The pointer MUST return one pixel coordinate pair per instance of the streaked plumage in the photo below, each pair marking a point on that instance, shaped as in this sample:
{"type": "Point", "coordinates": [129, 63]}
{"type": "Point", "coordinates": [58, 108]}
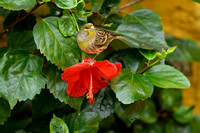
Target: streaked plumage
{"type": "Point", "coordinates": [94, 41]}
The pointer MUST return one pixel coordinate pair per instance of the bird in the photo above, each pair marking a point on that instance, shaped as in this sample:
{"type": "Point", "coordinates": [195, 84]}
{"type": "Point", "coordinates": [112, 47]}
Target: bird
{"type": "Point", "coordinates": [94, 41]}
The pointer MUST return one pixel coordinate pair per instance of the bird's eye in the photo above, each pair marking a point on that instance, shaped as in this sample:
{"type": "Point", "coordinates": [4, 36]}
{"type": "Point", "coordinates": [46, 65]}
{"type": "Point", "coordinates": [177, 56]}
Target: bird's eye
{"type": "Point", "coordinates": [86, 27]}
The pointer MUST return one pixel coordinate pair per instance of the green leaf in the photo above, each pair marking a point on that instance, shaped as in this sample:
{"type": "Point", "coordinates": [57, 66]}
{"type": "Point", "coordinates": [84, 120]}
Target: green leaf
{"type": "Point", "coordinates": [186, 49]}
{"type": "Point", "coordinates": [115, 19]}
{"type": "Point", "coordinates": [154, 128]}
{"type": "Point", "coordinates": [196, 1]}
{"type": "Point", "coordinates": [44, 103]}
{"type": "Point", "coordinates": [104, 103]}
{"type": "Point", "coordinates": [166, 76]}
{"type": "Point", "coordinates": [21, 75]}
{"type": "Point", "coordinates": [58, 88]}
{"type": "Point", "coordinates": [173, 127]}
{"type": "Point", "coordinates": [26, 24]}
{"type": "Point", "coordinates": [4, 110]}
{"type": "Point", "coordinates": [131, 59]}
{"type": "Point", "coordinates": [143, 29]}
{"type": "Point", "coordinates": [66, 4]}
{"type": "Point", "coordinates": [171, 50]}
{"type": "Point", "coordinates": [57, 125]}
{"type": "Point", "coordinates": [130, 87]}
{"type": "Point", "coordinates": [96, 5]}
{"type": "Point", "coordinates": [148, 115]}
{"type": "Point", "coordinates": [86, 122]}
{"type": "Point", "coordinates": [134, 110]}
{"type": "Point", "coordinates": [67, 24]}
{"type": "Point", "coordinates": [22, 40]}
{"type": "Point", "coordinates": [80, 14]}
{"type": "Point", "coordinates": [61, 51]}
{"type": "Point", "coordinates": [196, 124]}
{"type": "Point", "coordinates": [183, 114]}
{"type": "Point", "coordinates": [148, 54]}
{"type": "Point", "coordinates": [4, 12]}
{"type": "Point", "coordinates": [17, 4]}
{"type": "Point", "coordinates": [107, 6]}
{"type": "Point", "coordinates": [3, 50]}
{"type": "Point", "coordinates": [170, 98]}
{"type": "Point", "coordinates": [119, 111]}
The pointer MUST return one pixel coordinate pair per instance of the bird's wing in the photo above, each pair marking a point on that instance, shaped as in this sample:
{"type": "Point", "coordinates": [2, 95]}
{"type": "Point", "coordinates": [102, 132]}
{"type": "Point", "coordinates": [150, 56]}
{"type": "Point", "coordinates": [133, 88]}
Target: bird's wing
{"type": "Point", "coordinates": [102, 37]}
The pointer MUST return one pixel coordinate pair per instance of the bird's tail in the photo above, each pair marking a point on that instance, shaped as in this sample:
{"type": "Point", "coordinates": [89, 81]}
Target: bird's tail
{"type": "Point", "coordinates": [119, 37]}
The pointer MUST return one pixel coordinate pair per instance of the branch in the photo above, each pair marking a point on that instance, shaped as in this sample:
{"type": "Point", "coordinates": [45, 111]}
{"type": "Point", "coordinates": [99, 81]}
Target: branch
{"type": "Point", "coordinates": [130, 4]}
{"type": "Point", "coordinates": [148, 66]}
{"type": "Point", "coordinates": [22, 18]}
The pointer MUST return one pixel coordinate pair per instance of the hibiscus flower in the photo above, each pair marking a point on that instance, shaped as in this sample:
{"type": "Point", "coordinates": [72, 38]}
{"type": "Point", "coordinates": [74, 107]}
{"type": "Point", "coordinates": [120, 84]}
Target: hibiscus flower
{"type": "Point", "coordinates": [89, 76]}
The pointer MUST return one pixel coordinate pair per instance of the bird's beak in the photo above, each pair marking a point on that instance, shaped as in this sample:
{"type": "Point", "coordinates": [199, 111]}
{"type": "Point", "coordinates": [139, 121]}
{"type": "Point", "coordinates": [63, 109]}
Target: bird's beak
{"type": "Point", "coordinates": [92, 28]}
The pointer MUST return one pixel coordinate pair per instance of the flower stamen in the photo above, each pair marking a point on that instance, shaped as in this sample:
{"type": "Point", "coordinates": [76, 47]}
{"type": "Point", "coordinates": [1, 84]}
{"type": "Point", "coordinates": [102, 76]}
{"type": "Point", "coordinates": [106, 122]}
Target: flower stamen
{"type": "Point", "coordinates": [89, 95]}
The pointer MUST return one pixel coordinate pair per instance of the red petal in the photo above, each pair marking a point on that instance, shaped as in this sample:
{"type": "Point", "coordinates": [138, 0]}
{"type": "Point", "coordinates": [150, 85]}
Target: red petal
{"type": "Point", "coordinates": [98, 83]}
{"type": "Point", "coordinates": [79, 87]}
{"type": "Point", "coordinates": [72, 73]}
{"type": "Point", "coordinates": [105, 69]}
{"type": "Point", "coordinates": [119, 66]}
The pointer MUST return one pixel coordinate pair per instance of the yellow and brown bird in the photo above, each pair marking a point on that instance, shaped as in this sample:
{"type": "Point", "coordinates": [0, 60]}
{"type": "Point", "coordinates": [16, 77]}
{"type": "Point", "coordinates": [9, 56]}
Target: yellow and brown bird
{"type": "Point", "coordinates": [94, 41]}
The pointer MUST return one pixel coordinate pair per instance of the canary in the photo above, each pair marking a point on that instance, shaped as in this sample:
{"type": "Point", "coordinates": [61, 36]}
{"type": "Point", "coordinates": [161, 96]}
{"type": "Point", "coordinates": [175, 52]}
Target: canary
{"type": "Point", "coordinates": [94, 41]}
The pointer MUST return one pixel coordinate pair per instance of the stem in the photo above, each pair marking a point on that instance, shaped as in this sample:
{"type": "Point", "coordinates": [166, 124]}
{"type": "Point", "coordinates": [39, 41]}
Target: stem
{"type": "Point", "coordinates": [76, 22]}
{"type": "Point", "coordinates": [130, 4]}
{"type": "Point", "coordinates": [148, 66]}
{"type": "Point", "coordinates": [22, 18]}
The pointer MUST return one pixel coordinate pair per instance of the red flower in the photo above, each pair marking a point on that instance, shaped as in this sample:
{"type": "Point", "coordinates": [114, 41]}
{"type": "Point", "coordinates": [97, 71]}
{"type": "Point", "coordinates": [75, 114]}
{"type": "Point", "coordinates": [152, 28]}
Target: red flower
{"type": "Point", "coordinates": [87, 76]}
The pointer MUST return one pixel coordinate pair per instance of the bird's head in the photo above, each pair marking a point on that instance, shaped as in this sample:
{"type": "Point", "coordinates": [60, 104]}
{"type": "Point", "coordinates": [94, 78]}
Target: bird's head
{"type": "Point", "coordinates": [88, 29]}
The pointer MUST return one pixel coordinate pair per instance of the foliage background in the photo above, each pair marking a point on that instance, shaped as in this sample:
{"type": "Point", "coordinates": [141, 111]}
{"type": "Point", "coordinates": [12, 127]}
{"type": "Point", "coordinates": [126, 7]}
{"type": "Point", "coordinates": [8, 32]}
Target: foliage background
{"type": "Point", "coordinates": [160, 8]}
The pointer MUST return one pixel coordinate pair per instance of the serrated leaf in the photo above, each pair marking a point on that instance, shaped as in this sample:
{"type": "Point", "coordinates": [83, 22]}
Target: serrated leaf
{"type": "Point", "coordinates": [17, 4]}
{"type": "Point", "coordinates": [61, 51]}
{"type": "Point", "coordinates": [148, 54]}
{"type": "Point", "coordinates": [22, 40]}
{"type": "Point", "coordinates": [130, 58]}
{"type": "Point", "coordinates": [44, 103]}
{"type": "Point", "coordinates": [187, 49]}
{"type": "Point", "coordinates": [104, 103]}
{"type": "Point", "coordinates": [22, 76]}
{"type": "Point", "coordinates": [86, 122]}
{"type": "Point", "coordinates": [183, 114]}
{"type": "Point", "coordinates": [58, 88]}
{"type": "Point", "coordinates": [66, 4]}
{"type": "Point", "coordinates": [148, 115]}
{"type": "Point", "coordinates": [134, 110]}
{"type": "Point", "coordinates": [96, 5]}
{"type": "Point", "coordinates": [130, 87]}
{"type": "Point", "coordinates": [57, 125]}
{"type": "Point", "coordinates": [4, 110]}
{"type": "Point", "coordinates": [143, 29]}
{"type": "Point", "coordinates": [166, 76]}
{"type": "Point", "coordinates": [67, 24]}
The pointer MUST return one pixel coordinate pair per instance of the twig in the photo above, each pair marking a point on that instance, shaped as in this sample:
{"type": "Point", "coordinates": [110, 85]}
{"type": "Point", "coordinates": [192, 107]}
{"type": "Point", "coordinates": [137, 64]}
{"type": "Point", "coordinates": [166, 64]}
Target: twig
{"type": "Point", "coordinates": [148, 66]}
{"type": "Point", "coordinates": [22, 18]}
{"type": "Point", "coordinates": [130, 4]}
